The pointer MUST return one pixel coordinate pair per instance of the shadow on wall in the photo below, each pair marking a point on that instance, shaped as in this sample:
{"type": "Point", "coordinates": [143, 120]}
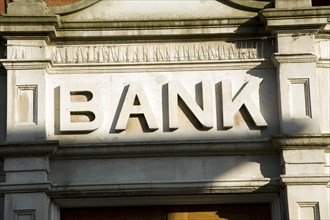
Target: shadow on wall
{"type": "Point", "coordinates": [3, 104]}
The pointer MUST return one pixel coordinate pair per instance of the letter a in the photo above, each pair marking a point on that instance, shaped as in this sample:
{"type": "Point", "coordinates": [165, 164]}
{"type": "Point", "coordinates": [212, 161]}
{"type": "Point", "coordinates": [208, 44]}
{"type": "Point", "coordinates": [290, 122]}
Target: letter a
{"type": "Point", "coordinates": [129, 108]}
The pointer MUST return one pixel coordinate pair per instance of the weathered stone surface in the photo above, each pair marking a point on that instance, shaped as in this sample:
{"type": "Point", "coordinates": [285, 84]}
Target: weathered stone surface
{"type": "Point", "coordinates": [123, 102]}
{"type": "Point", "coordinates": [27, 7]}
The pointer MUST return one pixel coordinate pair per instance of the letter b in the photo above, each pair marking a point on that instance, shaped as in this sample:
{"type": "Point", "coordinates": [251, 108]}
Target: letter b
{"type": "Point", "coordinates": [89, 108]}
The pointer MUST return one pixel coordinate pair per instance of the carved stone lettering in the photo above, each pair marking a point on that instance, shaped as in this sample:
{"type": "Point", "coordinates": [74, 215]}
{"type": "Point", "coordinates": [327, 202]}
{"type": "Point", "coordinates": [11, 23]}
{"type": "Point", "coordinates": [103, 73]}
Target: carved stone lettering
{"type": "Point", "coordinates": [69, 109]}
{"type": "Point", "coordinates": [243, 97]}
{"type": "Point", "coordinates": [204, 115]}
{"type": "Point", "coordinates": [136, 103]}
{"type": "Point", "coordinates": [81, 108]}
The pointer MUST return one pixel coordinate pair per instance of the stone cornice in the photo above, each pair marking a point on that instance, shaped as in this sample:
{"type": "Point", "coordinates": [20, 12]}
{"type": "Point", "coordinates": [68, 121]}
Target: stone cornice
{"type": "Point", "coordinates": [302, 142]}
{"type": "Point", "coordinates": [69, 202]}
{"type": "Point", "coordinates": [22, 25]}
{"type": "Point", "coordinates": [21, 188]}
{"type": "Point", "coordinates": [305, 180]}
{"type": "Point", "coordinates": [198, 187]}
{"type": "Point", "coordinates": [24, 64]}
{"type": "Point", "coordinates": [163, 67]}
{"type": "Point", "coordinates": [162, 149]}
{"type": "Point", "coordinates": [47, 149]}
{"type": "Point", "coordinates": [294, 58]}
{"type": "Point", "coordinates": [41, 19]}
{"type": "Point", "coordinates": [158, 28]}
{"type": "Point", "coordinates": [311, 19]}
{"type": "Point", "coordinates": [51, 25]}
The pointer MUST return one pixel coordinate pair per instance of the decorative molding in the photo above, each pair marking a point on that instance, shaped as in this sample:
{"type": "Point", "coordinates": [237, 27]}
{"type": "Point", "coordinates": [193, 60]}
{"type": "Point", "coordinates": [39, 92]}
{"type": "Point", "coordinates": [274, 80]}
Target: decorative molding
{"type": "Point", "coordinates": [18, 52]}
{"type": "Point", "coordinates": [97, 68]}
{"type": "Point", "coordinates": [162, 52]}
{"type": "Point", "coordinates": [294, 58]}
{"type": "Point", "coordinates": [170, 199]}
{"type": "Point", "coordinates": [308, 19]}
{"type": "Point", "coordinates": [172, 187]}
{"type": "Point", "coordinates": [305, 180]}
{"type": "Point", "coordinates": [302, 142]}
{"type": "Point", "coordinates": [323, 63]}
{"type": "Point", "coordinates": [25, 188]}
{"type": "Point", "coordinates": [26, 149]}
{"type": "Point", "coordinates": [161, 149]}
{"type": "Point", "coordinates": [25, 64]}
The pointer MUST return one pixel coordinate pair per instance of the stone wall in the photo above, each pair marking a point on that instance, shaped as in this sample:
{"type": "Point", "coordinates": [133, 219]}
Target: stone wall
{"type": "Point", "coordinates": [117, 104]}
{"type": "Point", "coordinates": [66, 2]}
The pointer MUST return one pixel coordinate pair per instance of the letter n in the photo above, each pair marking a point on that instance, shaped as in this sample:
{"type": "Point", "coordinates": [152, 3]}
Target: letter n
{"type": "Point", "coordinates": [203, 114]}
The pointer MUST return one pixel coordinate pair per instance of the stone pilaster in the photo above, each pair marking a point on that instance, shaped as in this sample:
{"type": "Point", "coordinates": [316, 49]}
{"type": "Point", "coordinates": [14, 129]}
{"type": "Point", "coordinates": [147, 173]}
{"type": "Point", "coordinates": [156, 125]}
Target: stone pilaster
{"type": "Point", "coordinates": [298, 89]}
{"type": "Point", "coordinates": [26, 64]}
{"type": "Point", "coordinates": [26, 185]}
{"type": "Point", "coordinates": [302, 145]}
{"type": "Point", "coordinates": [305, 175]}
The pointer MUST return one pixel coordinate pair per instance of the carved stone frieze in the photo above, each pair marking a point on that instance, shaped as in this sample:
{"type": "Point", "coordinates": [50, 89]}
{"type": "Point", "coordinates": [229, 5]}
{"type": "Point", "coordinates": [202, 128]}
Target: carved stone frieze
{"type": "Point", "coordinates": [162, 52]}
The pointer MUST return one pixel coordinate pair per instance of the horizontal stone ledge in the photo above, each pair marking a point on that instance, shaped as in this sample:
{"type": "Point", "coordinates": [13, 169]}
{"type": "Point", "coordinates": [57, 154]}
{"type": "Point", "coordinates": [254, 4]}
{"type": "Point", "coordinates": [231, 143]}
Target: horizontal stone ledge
{"type": "Point", "coordinates": [202, 198]}
{"type": "Point", "coordinates": [302, 142]}
{"type": "Point", "coordinates": [176, 187]}
{"type": "Point", "coordinates": [323, 63]}
{"type": "Point", "coordinates": [305, 180]}
{"type": "Point", "coordinates": [163, 24]}
{"type": "Point", "coordinates": [306, 12]}
{"type": "Point", "coordinates": [28, 20]}
{"type": "Point", "coordinates": [228, 62]}
{"type": "Point", "coordinates": [57, 150]}
{"type": "Point", "coordinates": [32, 149]}
{"type": "Point", "coordinates": [96, 68]}
{"type": "Point", "coordinates": [25, 64]}
{"type": "Point", "coordinates": [22, 188]}
{"type": "Point", "coordinates": [294, 58]}
{"type": "Point", "coordinates": [164, 149]}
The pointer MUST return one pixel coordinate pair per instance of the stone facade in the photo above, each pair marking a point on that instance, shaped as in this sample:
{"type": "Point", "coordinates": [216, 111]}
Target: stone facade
{"type": "Point", "coordinates": [130, 103]}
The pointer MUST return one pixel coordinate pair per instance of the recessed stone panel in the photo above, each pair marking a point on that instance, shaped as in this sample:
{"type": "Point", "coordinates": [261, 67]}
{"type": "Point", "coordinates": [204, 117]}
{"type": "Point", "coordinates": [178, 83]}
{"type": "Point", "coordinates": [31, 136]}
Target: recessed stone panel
{"type": "Point", "coordinates": [27, 104]}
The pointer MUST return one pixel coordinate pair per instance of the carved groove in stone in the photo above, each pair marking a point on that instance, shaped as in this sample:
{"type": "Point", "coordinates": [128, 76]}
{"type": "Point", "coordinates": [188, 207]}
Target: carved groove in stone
{"type": "Point", "coordinates": [18, 53]}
